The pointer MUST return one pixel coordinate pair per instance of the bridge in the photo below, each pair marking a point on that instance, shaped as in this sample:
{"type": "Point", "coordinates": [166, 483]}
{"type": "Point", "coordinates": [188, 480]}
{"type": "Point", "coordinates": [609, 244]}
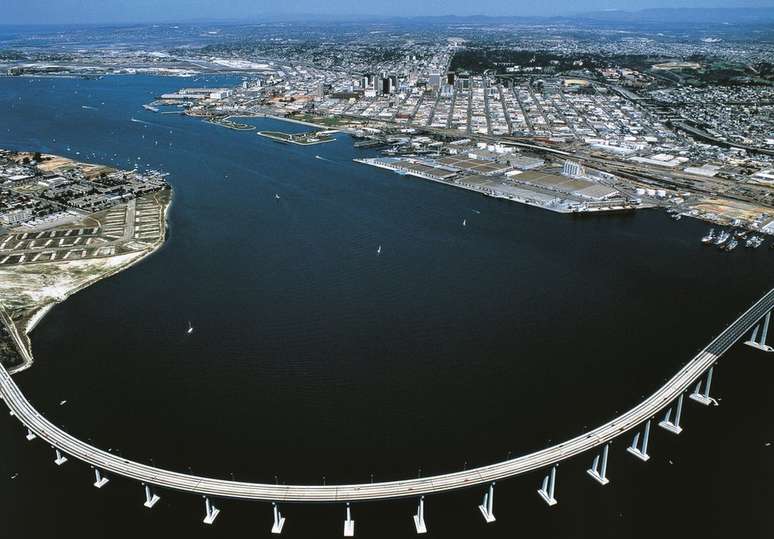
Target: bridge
{"type": "Point", "coordinates": [694, 379]}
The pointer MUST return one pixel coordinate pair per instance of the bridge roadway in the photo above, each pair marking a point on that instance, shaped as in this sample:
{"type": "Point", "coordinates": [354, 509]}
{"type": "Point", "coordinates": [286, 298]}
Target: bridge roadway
{"type": "Point", "coordinates": [544, 458]}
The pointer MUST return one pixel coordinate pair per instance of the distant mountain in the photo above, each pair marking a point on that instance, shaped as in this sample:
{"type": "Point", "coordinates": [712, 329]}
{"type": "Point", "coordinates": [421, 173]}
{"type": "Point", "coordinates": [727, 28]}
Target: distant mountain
{"type": "Point", "coordinates": [762, 15]}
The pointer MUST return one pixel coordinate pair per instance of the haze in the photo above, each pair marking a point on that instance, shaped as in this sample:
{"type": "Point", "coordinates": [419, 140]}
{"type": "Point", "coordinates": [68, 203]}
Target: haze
{"type": "Point", "coordinates": [107, 11]}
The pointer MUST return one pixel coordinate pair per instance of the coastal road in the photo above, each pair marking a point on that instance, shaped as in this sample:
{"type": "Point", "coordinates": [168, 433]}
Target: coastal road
{"type": "Point", "coordinates": [645, 410]}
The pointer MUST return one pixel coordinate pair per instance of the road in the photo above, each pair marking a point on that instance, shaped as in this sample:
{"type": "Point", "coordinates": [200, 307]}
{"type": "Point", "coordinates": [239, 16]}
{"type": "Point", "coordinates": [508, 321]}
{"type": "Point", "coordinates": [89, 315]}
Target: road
{"type": "Point", "coordinates": [658, 401]}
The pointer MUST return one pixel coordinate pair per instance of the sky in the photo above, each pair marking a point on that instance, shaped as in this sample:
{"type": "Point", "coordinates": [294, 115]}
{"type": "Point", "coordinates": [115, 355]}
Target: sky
{"type": "Point", "coordinates": [109, 11]}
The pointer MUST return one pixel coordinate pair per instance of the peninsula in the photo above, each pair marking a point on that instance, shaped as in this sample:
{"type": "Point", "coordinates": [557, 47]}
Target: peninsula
{"type": "Point", "coordinates": [65, 225]}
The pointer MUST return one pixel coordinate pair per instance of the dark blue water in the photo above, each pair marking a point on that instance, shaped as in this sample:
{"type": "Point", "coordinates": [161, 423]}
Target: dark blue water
{"type": "Point", "coordinates": [313, 358]}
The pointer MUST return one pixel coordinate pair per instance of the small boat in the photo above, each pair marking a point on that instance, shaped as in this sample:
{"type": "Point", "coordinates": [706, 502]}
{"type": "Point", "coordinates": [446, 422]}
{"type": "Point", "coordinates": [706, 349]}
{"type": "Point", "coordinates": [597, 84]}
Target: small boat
{"type": "Point", "coordinates": [190, 328]}
{"type": "Point", "coordinates": [464, 222]}
{"type": "Point", "coordinates": [722, 237]}
{"type": "Point", "coordinates": [379, 250]}
{"type": "Point", "coordinates": [753, 242]}
{"type": "Point", "coordinates": [62, 403]}
{"type": "Point", "coordinates": [709, 237]}
{"type": "Point", "coordinates": [731, 245]}
{"type": "Point", "coordinates": [276, 196]}
{"type": "Point", "coordinates": [14, 476]}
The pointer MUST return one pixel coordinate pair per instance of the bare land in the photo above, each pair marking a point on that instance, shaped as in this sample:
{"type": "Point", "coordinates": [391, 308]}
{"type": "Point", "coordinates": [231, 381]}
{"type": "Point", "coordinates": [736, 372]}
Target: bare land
{"type": "Point", "coordinates": [39, 269]}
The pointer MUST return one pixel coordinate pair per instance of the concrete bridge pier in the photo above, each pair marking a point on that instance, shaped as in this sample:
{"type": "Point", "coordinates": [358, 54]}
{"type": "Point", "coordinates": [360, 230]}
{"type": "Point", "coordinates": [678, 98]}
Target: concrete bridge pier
{"type": "Point", "coordinates": [349, 524]}
{"type": "Point", "coordinates": [279, 520]}
{"type": "Point", "coordinates": [210, 511]}
{"type": "Point", "coordinates": [597, 471]}
{"type": "Point", "coordinates": [486, 505]}
{"type": "Point", "coordinates": [100, 480]}
{"type": "Point", "coordinates": [641, 451]}
{"type": "Point", "coordinates": [667, 423]}
{"type": "Point", "coordinates": [419, 518]}
{"type": "Point", "coordinates": [60, 458]}
{"type": "Point", "coordinates": [150, 497]}
{"type": "Point", "coordinates": [761, 344]}
{"type": "Point", "coordinates": [30, 435]}
{"type": "Point", "coordinates": [703, 397]}
{"type": "Point", "coordinates": [548, 489]}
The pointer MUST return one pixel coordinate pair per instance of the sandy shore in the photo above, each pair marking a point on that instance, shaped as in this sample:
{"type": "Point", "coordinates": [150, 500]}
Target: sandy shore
{"type": "Point", "coordinates": [57, 294]}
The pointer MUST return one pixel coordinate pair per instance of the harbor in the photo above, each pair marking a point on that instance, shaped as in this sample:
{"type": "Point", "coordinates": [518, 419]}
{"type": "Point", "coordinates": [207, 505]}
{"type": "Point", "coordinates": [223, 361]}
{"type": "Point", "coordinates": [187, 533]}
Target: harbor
{"type": "Point", "coordinates": [728, 240]}
{"type": "Point", "coordinates": [546, 191]}
{"type": "Point", "coordinates": [444, 317]}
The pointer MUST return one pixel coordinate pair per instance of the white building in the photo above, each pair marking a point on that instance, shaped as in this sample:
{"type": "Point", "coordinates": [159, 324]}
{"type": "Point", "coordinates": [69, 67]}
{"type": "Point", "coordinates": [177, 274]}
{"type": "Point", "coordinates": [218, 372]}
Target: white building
{"type": "Point", "coordinates": [15, 217]}
{"type": "Point", "coordinates": [573, 169]}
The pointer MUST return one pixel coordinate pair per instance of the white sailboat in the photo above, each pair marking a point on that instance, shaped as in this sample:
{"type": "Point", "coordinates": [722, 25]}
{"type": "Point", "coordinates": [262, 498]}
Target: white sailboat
{"type": "Point", "coordinates": [379, 250]}
{"type": "Point", "coordinates": [190, 328]}
{"type": "Point", "coordinates": [464, 222]}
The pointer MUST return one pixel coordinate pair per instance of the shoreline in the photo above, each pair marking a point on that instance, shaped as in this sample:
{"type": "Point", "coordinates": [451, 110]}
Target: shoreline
{"type": "Point", "coordinates": [22, 329]}
{"type": "Point", "coordinates": [274, 135]}
{"type": "Point", "coordinates": [518, 200]}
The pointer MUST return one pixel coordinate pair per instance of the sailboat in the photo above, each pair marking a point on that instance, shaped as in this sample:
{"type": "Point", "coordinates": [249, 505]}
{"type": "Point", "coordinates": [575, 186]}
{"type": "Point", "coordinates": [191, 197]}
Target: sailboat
{"type": "Point", "coordinates": [190, 328]}
{"type": "Point", "coordinates": [464, 222]}
{"type": "Point", "coordinates": [379, 250]}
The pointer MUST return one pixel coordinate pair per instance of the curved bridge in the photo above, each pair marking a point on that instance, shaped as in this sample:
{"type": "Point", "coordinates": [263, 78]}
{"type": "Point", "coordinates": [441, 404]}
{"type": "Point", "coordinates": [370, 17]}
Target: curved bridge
{"type": "Point", "coordinates": [669, 396]}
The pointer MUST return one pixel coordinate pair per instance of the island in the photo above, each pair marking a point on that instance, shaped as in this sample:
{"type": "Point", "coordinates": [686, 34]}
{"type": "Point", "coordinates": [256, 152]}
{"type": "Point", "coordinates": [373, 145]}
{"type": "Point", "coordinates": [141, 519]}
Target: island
{"type": "Point", "coordinates": [65, 225]}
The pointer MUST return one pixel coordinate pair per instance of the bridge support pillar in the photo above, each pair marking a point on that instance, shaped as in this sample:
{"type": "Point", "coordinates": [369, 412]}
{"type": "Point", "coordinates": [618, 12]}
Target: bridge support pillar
{"type": "Point", "coordinates": [419, 518]}
{"type": "Point", "coordinates": [667, 423]}
{"type": "Point", "coordinates": [761, 344]}
{"type": "Point", "coordinates": [30, 435]}
{"type": "Point", "coordinates": [210, 511]}
{"type": "Point", "coordinates": [100, 480]}
{"type": "Point", "coordinates": [641, 451]}
{"type": "Point", "coordinates": [151, 498]}
{"type": "Point", "coordinates": [349, 524]}
{"type": "Point", "coordinates": [486, 506]}
{"type": "Point", "coordinates": [597, 471]}
{"type": "Point", "coordinates": [703, 397]}
{"type": "Point", "coordinates": [548, 489]}
{"type": "Point", "coordinates": [60, 458]}
{"type": "Point", "coordinates": [279, 520]}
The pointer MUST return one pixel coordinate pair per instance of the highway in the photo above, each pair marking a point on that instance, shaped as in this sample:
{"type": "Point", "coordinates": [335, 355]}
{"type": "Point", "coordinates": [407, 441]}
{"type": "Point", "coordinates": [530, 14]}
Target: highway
{"type": "Point", "coordinates": [543, 459]}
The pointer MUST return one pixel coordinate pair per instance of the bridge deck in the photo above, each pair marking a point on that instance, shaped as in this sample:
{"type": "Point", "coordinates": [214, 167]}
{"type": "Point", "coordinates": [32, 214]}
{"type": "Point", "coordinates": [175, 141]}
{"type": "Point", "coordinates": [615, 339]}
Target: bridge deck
{"type": "Point", "coordinates": [544, 458]}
